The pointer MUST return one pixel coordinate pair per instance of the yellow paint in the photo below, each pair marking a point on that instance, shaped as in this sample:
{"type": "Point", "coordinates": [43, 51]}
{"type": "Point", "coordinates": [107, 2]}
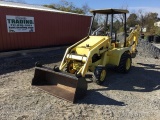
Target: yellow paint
{"type": "Point", "coordinates": [81, 53]}
{"type": "Point", "coordinates": [89, 44]}
{"type": "Point", "coordinates": [128, 64]}
{"type": "Point", "coordinates": [103, 75]}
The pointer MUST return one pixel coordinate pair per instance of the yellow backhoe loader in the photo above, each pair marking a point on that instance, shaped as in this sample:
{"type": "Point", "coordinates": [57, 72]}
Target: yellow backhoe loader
{"type": "Point", "coordinates": [89, 58]}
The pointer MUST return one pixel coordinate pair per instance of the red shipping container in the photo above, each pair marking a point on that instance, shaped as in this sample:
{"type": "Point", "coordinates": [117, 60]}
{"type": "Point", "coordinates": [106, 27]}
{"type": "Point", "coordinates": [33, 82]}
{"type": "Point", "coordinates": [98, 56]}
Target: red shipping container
{"type": "Point", "coordinates": [51, 28]}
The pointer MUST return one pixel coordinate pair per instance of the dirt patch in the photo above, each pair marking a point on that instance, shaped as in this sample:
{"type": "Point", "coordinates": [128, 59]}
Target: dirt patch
{"type": "Point", "coordinates": [135, 95]}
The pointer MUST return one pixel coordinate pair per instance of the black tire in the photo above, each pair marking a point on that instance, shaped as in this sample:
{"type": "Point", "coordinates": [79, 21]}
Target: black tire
{"type": "Point", "coordinates": [77, 75]}
{"type": "Point", "coordinates": [156, 39]}
{"type": "Point", "coordinates": [150, 38]}
{"type": "Point", "coordinates": [56, 68]}
{"type": "Point", "coordinates": [38, 64]}
{"type": "Point", "coordinates": [142, 36]}
{"type": "Point", "coordinates": [97, 74]}
{"type": "Point", "coordinates": [122, 67]}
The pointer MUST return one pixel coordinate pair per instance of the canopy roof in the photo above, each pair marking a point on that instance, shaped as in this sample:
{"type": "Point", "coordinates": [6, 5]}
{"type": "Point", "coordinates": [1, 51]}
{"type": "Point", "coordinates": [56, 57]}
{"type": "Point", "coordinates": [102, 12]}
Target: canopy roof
{"type": "Point", "coordinates": [110, 11]}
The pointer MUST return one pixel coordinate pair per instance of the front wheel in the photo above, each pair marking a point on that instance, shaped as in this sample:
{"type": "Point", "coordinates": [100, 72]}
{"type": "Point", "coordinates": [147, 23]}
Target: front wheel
{"type": "Point", "coordinates": [56, 68]}
{"type": "Point", "coordinates": [38, 64]}
{"type": "Point", "coordinates": [100, 74]}
{"type": "Point", "coordinates": [70, 68]}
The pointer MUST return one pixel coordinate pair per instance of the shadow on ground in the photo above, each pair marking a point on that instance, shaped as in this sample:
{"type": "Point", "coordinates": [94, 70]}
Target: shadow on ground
{"type": "Point", "coordinates": [26, 61]}
{"type": "Point", "coordinates": [150, 66]}
{"type": "Point", "coordinates": [94, 97]}
{"type": "Point", "coordinates": [139, 79]}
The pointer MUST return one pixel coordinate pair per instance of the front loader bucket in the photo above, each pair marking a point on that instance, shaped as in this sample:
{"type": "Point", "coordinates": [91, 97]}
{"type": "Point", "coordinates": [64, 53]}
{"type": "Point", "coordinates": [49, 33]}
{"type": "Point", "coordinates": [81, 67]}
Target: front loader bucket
{"type": "Point", "coordinates": [60, 84]}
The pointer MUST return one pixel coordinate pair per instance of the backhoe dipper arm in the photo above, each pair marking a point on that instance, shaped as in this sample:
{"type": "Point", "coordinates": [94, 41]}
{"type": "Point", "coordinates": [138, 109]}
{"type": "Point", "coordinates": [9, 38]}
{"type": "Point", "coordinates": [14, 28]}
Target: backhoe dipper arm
{"type": "Point", "coordinates": [132, 39]}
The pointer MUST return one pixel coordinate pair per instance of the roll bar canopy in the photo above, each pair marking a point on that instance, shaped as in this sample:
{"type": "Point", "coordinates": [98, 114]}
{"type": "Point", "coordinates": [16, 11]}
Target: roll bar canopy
{"type": "Point", "coordinates": [109, 11]}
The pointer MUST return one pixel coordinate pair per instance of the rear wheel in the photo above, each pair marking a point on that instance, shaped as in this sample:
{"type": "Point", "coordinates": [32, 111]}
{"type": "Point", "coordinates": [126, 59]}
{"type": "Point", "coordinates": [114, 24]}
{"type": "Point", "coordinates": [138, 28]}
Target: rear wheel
{"type": "Point", "coordinates": [100, 74]}
{"type": "Point", "coordinates": [125, 63]}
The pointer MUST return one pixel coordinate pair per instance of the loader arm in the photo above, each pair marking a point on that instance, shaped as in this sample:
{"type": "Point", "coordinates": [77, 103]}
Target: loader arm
{"type": "Point", "coordinates": [82, 53]}
{"type": "Point", "coordinates": [95, 50]}
{"type": "Point", "coordinates": [63, 63]}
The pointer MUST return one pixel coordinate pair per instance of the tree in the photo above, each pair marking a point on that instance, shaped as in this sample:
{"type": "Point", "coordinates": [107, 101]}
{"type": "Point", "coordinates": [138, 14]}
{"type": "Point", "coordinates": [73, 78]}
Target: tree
{"type": "Point", "coordinates": [157, 32]}
{"type": "Point", "coordinates": [86, 8]}
{"type": "Point", "coordinates": [68, 7]}
{"type": "Point", "coordinates": [121, 16]}
{"type": "Point", "coordinates": [147, 20]}
{"type": "Point", "coordinates": [141, 19]}
{"type": "Point", "coordinates": [150, 19]}
{"type": "Point", "coordinates": [95, 25]}
{"type": "Point", "coordinates": [132, 20]}
{"type": "Point", "coordinates": [116, 25]}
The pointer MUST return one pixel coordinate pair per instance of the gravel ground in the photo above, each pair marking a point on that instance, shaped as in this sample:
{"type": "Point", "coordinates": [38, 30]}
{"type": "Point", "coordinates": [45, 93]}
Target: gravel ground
{"type": "Point", "coordinates": [135, 95]}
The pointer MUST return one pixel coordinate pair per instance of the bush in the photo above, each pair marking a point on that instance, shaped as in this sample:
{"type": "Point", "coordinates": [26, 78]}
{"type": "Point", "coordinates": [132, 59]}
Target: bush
{"type": "Point", "coordinates": [157, 31]}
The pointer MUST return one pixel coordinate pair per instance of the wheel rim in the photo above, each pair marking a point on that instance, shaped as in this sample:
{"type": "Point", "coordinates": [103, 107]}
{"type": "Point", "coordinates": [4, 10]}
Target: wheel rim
{"type": "Point", "coordinates": [70, 68]}
{"type": "Point", "coordinates": [128, 64]}
{"type": "Point", "coordinates": [103, 75]}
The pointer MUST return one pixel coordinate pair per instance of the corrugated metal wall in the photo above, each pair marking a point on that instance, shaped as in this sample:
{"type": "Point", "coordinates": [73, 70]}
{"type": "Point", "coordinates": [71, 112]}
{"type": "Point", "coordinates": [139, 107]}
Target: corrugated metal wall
{"type": "Point", "coordinates": [51, 29]}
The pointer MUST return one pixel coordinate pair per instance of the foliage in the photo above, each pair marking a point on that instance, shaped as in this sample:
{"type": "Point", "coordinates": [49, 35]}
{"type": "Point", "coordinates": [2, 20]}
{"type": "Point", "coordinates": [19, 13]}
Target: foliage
{"type": "Point", "coordinates": [157, 30]}
{"type": "Point", "coordinates": [86, 8]}
{"type": "Point", "coordinates": [121, 29]}
{"type": "Point", "coordinates": [69, 7]}
{"type": "Point", "coordinates": [132, 20]}
{"type": "Point", "coordinates": [150, 19]}
{"type": "Point", "coordinates": [144, 19]}
{"type": "Point", "coordinates": [95, 25]}
{"type": "Point", "coordinates": [117, 26]}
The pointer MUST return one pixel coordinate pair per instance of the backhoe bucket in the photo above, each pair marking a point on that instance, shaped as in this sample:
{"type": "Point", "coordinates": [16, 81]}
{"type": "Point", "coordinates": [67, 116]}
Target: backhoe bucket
{"type": "Point", "coordinates": [60, 84]}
